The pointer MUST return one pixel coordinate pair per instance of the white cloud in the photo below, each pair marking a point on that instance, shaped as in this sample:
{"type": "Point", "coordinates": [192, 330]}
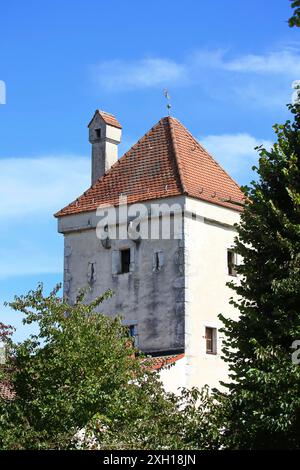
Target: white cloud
{"type": "Point", "coordinates": [31, 190]}
{"type": "Point", "coordinates": [41, 185]}
{"type": "Point", "coordinates": [258, 79]}
{"type": "Point", "coordinates": [118, 75]}
{"type": "Point", "coordinates": [235, 153]}
{"type": "Point", "coordinates": [282, 62]}
{"type": "Point", "coordinates": [286, 62]}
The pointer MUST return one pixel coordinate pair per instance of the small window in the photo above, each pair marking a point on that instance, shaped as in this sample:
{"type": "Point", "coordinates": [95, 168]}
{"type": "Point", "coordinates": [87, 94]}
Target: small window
{"type": "Point", "coordinates": [231, 263]}
{"type": "Point", "coordinates": [125, 261]}
{"type": "Point", "coordinates": [98, 133]}
{"type": "Point", "coordinates": [122, 261]}
{"type": "Point", "coordinates": [133, 333]}
{"type": "Point", "coordinates": [132, 330]}
{"type": "Point", "coordinates": [211, 340]}
{"type": "Point", "coordinates": [156, 261]}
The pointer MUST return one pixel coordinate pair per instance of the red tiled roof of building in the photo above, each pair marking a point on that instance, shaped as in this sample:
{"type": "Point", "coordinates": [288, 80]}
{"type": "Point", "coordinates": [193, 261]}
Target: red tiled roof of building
{"type": "Point", "coordinates": [156, 363]}
{"type": "Point", "coordinates": [166, 161]}
{"type": "Point", "coordinates": [107, 118]}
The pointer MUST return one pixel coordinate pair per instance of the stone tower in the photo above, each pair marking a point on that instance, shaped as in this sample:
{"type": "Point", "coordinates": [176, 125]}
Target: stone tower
{"type": "Point", "coordinates": [169, 290]}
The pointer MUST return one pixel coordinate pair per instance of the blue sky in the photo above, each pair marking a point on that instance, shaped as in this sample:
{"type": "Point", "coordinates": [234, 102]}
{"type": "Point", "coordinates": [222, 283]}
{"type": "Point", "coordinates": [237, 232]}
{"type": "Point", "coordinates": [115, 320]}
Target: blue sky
{"type": "Point", "coordinates": [228, 67]}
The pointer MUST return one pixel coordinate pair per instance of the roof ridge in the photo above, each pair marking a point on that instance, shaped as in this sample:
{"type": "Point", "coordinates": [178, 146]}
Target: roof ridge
{"type": "Point", "coordinates": [114, 165]}
{"type": "Point", "coordinates": [112, 120]}
{"type": "Point", "coordinates": [104, 112]}
{"type": "Point", "coordinates": [208, 153]}
{"type": "Point", "coordinates": [161, 164]}
{"type": "Point", "coordinates": [176, 153]}
{"type": "Point", "coordinates": [117, 163]}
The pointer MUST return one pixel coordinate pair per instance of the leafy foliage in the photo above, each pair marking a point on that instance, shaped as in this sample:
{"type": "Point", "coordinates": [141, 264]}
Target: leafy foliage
{"type": "Point", "coordinates": [164, 421]}
{"type": "Point", "coordinates": [295, 18]}
{"type": "Point", "coordinates": [261, 407]}
{"type": "Point", "coordinates": [65, 372]}
{"type": "Point", "coordinates": [79, 383]}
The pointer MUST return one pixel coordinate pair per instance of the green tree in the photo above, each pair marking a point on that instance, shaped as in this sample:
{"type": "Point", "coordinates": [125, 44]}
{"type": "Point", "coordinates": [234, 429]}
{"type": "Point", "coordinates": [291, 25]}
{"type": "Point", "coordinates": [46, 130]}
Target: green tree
{"type": "Point", "coordinates": [63, 374]}
{"type": "Point", "coordinates": [149, 418]}
{"type": "Point", "coordinates": [261, 406]}
{"type": "Point", "coordinates": [295, 18]}
{"type": "Point", "coordinates": [81, 376]}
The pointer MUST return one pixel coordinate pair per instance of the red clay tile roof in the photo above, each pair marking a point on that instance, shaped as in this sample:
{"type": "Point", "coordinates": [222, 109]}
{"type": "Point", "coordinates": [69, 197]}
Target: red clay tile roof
{"type": "Point", "coordinates": [156, 363]}
{"type": "Point", "coordinates": [107, 118]}
{"type": "Point", "coordinates": [166, 161]}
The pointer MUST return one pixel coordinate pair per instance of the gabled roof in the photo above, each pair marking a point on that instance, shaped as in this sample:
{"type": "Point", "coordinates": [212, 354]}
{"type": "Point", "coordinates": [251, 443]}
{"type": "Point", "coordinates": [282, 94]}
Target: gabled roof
{"type": "Point", "coordinates": [107, 118]}
{"type": "Point", "coordinates": [166, 161]}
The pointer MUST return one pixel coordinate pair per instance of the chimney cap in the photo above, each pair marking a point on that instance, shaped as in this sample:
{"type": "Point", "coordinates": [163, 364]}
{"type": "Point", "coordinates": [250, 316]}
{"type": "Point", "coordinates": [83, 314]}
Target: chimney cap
{"type": "Point", "coordinates": [108, 118]}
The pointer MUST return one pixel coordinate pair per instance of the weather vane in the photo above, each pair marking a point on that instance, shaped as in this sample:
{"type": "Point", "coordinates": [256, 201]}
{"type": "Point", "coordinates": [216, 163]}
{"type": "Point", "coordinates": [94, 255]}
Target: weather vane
{"type": "Point", "coordinates": [167, 96]}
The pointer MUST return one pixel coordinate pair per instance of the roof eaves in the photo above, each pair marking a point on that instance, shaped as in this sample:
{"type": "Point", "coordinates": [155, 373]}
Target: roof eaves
{"type": "Point", "coordinates": [101, 113]}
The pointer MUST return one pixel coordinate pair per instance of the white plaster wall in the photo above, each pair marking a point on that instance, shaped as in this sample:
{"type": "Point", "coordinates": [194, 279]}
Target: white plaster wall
{"type": "Point", "coordinates": [171, 308]}
{"type": "Point", "coordinates": [154, 301]}
{"type": "Point", "coordinates": [206, 243]}
{"type": "Point", "coordinates": [173, 377]}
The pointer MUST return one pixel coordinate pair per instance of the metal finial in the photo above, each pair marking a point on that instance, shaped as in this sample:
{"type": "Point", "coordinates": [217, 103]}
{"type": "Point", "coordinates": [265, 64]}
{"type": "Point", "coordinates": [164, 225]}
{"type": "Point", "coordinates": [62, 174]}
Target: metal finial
{"type": "Point", "coordinates": [167, 96]}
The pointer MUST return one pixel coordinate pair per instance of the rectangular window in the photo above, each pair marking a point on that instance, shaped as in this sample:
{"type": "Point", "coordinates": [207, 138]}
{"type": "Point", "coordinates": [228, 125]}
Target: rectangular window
{"type": "Point", "coordinates": [231, 263]}
{"type": "Point", "coordinates": [125, 261]}
{"type": "Point", "coordinates": [98, 133]}
{"type": "Point", "coordinates": [132, 330]}
{"type": "Point", "coordinates": [156, 262]}
{"type": "Point", "coordinates": [133, 333]}
{"type": "Point", "coordinates": [122, 261]}
{"type": "Point", "coordinates": [211, 340]}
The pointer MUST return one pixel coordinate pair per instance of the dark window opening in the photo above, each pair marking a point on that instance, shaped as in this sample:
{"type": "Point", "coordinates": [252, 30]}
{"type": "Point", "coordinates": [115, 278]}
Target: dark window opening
{"type": "Point", "coordinates": [125, 261]}
{"type": "Point", "coordinates": [132, 331]}
{"type": "Point", "coordinates": [211, 340]}
{"type": "Point", "coordinates": [133, 334]}
{"type": "Point", "coordinates": [98, 133]}
{"type": "Point", "coordinates": [231, 263]}
{"type": "Point", "coordinates": [156, 261]}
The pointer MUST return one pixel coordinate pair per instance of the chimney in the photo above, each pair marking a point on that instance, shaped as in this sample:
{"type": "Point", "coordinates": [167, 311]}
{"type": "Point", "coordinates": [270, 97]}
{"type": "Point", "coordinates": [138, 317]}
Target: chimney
{"type": "Point", "coordinates": [105, 136]}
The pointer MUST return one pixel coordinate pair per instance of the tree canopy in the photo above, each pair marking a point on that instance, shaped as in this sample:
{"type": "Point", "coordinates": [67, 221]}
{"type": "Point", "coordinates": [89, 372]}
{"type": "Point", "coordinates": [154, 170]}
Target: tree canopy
{"type": "Point", "coordinates": [261, 405]}
{"type": "Point", "coordinates": [295, 18]}
{"type": "Point", "coordinates": [79, 382]}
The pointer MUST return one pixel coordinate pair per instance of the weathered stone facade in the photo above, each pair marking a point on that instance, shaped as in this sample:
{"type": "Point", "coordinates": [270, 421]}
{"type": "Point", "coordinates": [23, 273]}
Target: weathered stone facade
{"type": "Point", "coordinates": [173, 288]}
